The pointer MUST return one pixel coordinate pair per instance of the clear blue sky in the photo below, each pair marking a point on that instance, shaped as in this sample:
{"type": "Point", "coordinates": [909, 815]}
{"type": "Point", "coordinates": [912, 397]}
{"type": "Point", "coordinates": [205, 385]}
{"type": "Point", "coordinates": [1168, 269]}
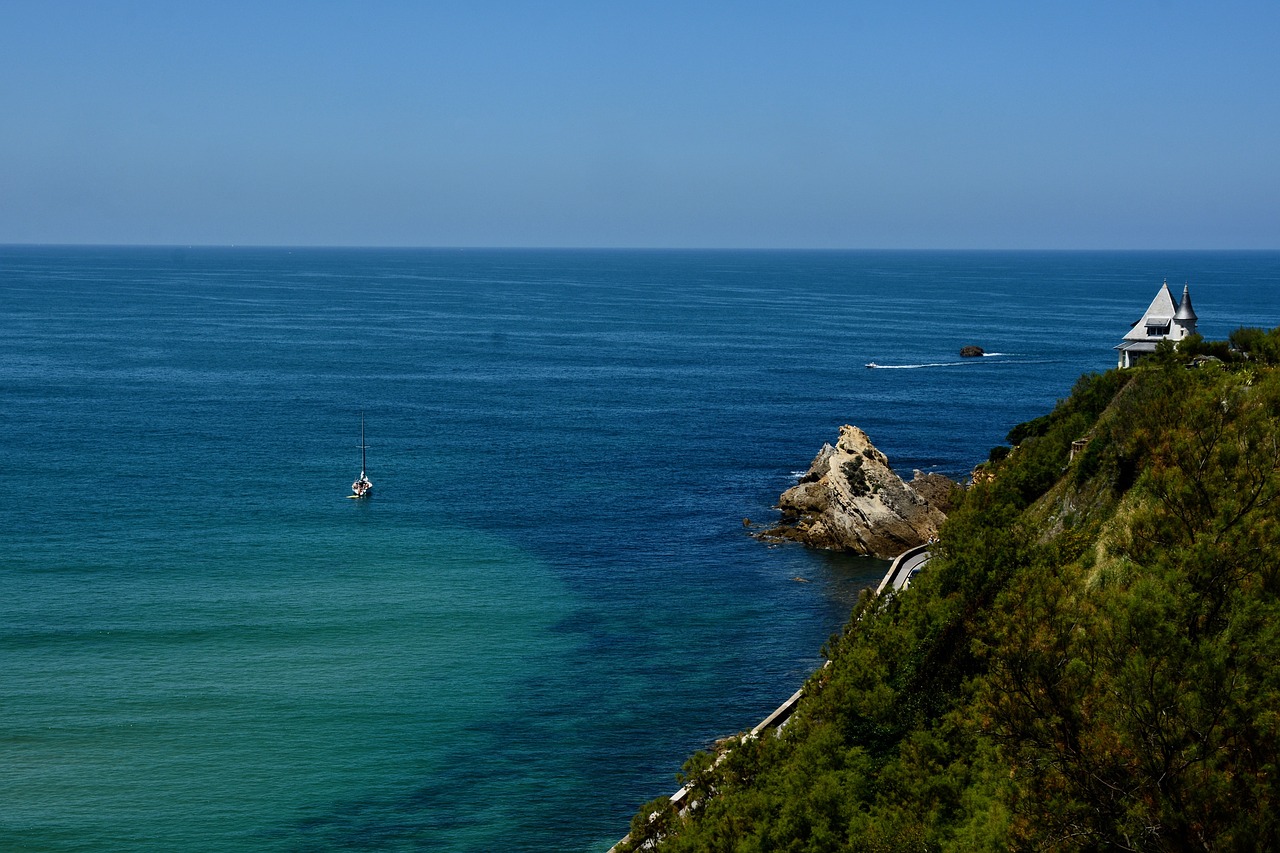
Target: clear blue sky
{"type": "Point", "coordinates": [1122, 124]}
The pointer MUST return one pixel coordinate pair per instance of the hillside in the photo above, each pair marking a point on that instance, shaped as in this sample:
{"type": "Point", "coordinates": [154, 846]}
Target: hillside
{"type": "Point", "coordinates": [1092, 660]}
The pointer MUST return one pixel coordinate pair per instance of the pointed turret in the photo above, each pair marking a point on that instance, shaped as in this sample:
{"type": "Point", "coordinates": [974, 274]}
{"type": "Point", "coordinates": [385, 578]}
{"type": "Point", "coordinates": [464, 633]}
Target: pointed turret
{"type": "Point", "coordinates": [1185, 311]}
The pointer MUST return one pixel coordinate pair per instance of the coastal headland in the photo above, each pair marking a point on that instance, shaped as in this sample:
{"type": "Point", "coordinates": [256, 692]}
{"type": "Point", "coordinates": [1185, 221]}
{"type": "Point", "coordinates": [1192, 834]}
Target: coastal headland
{"type": "Point", "coordinates": [1088, 662]}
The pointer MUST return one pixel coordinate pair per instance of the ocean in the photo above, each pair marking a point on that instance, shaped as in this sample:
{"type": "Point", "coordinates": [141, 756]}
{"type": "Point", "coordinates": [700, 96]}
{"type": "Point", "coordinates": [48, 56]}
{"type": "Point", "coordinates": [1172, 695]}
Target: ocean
{"type": "Point", "coordinates": [551, 599]}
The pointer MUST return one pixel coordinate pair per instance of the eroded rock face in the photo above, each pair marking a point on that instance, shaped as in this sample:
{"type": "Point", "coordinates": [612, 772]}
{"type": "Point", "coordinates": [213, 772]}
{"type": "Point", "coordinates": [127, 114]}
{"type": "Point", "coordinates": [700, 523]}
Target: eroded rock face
{"type": "Point", "coordinates": [850, 500]}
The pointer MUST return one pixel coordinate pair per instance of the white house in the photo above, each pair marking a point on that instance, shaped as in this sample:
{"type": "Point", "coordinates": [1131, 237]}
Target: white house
{"type": "Point", "coordinates": [1163, 321]}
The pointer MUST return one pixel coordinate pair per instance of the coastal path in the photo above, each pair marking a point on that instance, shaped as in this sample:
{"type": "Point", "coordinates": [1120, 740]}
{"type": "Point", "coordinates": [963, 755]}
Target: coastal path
{"type": "Point", "coordinates": [904, 567]}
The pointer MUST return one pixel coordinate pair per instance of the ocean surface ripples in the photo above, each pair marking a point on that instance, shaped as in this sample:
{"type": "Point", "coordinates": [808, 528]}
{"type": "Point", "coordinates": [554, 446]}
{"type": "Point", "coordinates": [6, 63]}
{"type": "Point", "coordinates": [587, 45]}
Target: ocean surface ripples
{"type": "Point", "coordinates": [551, 599]}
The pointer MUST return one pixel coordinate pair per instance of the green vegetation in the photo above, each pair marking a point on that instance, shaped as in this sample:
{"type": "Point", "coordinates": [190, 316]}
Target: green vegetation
{"type": "Point", "coordinates": [1091, 660]}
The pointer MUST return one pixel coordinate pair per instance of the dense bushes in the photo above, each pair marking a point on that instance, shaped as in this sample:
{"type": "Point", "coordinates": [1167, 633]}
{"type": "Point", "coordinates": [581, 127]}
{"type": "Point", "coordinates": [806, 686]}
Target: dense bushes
{"type": "Point", "coordinates": [1257, 344]}
{"type": "Point", "coordinates": [1134, 687]}
{"type": "Point", "coordinates": [1090, 661]}
{"type": "Point", "coordinates": [1043, 445]}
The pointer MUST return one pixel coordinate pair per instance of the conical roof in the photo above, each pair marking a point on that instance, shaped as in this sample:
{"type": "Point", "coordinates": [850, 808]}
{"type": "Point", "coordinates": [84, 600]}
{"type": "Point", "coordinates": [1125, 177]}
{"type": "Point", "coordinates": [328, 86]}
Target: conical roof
{"type": "Point", "coordinates": [1159, 313]}
{"type": "Point", "coordinates": [1185, 311]}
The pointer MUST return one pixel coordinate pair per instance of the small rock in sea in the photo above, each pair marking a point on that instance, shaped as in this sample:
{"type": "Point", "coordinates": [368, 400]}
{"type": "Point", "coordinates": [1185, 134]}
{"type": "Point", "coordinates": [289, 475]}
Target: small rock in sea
{"type": "Point", "coordinates": [799, 579]}
{"type": "Point", "coordinates": [970, 351]}
{"type": "Point", "coordinates": [746, 522]}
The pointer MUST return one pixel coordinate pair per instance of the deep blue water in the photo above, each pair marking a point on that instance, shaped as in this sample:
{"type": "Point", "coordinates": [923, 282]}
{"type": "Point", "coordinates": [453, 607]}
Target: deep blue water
{"type": "Point", "coordinates": [550, 601]}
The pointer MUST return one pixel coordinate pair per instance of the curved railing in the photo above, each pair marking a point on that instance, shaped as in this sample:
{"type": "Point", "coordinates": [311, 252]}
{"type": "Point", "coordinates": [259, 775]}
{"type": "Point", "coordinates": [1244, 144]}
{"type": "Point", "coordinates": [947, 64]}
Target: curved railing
{"type": "Point", "coordinates": [902, 566]}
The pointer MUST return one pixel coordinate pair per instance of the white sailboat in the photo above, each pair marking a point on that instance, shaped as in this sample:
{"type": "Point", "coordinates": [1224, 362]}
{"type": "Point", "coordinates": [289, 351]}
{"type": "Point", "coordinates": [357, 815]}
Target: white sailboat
{"type": "Point", "coordinates": [362, 486]}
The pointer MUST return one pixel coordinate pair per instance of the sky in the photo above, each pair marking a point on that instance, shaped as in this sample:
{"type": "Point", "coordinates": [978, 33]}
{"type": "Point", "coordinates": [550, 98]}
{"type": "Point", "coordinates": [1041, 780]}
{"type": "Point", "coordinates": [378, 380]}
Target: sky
{"type": "Point", "coordinates": [1128, 124]}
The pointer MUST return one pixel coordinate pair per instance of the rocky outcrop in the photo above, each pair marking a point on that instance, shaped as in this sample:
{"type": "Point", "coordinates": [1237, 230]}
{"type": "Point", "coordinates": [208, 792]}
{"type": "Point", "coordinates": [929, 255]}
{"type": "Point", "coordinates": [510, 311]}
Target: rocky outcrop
{"type": "Point", "coordinates": [850, 500]}
{"type": "Point", "coordinates": [971, 351]}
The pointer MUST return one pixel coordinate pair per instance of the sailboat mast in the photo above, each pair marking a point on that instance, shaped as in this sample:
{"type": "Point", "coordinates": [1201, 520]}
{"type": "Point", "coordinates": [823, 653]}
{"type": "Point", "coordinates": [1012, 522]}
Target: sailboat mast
{"type": "Point", "coordinates": [362, 465]}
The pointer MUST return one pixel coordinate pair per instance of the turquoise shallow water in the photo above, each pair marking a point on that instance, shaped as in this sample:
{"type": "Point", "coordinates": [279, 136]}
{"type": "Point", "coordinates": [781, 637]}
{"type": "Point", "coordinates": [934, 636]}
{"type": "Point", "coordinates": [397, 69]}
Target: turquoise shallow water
{"type": "Point", "coordinates": [550, 601]}
{"type": "Point", "coordinates": [208, 694]}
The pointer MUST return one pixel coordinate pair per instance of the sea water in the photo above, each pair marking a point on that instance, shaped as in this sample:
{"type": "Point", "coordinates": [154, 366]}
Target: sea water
{"type": "Point", "coordinates": [551, 598]}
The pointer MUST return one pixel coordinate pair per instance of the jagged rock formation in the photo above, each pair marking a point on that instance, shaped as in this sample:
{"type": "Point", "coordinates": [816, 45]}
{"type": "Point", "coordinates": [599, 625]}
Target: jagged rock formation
{"type": "Point", "coordinates": [971, 351]}
{"type": "Point", "coordinates": [850, 500]}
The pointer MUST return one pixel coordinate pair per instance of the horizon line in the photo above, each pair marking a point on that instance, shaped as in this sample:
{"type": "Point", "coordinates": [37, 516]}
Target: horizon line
{"type": "Point", "coordinates": [571, 248]}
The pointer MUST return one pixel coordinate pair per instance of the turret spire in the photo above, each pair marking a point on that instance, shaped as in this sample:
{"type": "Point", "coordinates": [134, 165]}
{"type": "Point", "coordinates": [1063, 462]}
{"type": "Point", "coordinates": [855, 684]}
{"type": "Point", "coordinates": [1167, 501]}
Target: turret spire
{"type": "Point", "coordinates": [1185, 311]}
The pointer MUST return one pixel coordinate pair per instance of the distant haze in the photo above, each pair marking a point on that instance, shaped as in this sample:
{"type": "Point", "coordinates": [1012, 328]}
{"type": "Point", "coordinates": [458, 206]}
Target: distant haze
{"type": "Point", "coordinates": [751, 124]}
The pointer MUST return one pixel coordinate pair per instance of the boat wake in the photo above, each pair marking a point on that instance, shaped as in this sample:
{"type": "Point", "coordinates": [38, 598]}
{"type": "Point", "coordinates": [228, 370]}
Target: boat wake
{"type": "Point", "coordinates": [874, 366]}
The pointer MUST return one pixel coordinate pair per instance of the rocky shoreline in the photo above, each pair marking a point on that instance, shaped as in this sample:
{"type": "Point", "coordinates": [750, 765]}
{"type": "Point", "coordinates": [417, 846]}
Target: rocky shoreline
{"type": "Point", "coordinates": [851, 500]}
